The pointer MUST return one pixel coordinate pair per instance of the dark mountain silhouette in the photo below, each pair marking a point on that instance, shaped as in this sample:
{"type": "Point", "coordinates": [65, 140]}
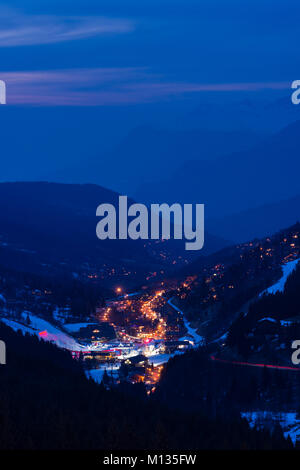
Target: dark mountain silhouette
{"type": "Point", "coordinates": [56, 223]}
{"type": "Point", "coordinates": [239, 181]}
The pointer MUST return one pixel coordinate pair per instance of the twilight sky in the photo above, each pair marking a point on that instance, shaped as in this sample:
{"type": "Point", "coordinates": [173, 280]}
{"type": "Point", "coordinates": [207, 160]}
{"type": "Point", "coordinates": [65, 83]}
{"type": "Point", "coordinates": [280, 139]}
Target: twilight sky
{"type": "Point", "coordinates": [108, 52]}
{"type": "Point", "coordinates": [83, 74]}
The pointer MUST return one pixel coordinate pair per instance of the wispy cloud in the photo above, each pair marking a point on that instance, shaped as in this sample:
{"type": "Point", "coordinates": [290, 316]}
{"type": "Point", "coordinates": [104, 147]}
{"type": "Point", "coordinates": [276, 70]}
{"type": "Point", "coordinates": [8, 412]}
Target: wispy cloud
{"type": "Point", "coordinates": [108, 86]}
{"type": "Point", "coordinates": [18, 29]}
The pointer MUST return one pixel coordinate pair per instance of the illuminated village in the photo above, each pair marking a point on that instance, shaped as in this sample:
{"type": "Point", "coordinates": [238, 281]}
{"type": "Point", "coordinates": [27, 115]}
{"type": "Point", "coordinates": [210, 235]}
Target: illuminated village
{"type": "Point", "coordinates": [133, 337]}
{"type": "Point", "coordinates": [135, 334]}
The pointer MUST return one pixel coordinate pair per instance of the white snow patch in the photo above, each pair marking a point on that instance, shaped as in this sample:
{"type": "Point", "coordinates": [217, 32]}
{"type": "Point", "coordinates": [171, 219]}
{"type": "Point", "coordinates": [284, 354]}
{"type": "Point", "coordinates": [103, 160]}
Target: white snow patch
{"type": "Point", "coordinates": [75, 327]}
{"type": "Point", "coordinates": [17, 326]}
{"type": "Point", "coordinates": [267, 319]}
{"type": "Point", "coordinates": [97, 374]}
{"type": "Point", "coordinates": [159, 359]}
{"type": "Point", "coordinates": [191, 331]}
{"type": "Point", "coordinates": [288, 421]}
{"type": "Point", "coordinates": [43, 329]}
{"type": "Point", "coordinates": [287, 269]}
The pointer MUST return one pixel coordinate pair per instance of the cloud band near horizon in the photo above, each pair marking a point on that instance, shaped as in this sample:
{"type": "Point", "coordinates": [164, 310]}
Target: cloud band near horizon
{"type": "Point", "coordinates": [108, 87]}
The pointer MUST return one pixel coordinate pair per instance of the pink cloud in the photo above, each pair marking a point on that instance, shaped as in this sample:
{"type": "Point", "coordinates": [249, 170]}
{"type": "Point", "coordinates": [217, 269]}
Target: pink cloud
{"type": "Point", "coordinates": [107, 86]}
{"type": "Point", "coordinates": [18, 29]}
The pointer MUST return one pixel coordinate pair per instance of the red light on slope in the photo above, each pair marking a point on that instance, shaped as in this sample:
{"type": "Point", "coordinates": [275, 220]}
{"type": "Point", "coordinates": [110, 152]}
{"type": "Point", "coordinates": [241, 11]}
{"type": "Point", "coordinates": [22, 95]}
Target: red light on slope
{"type": "Point", "coordinates": [43, 334]}
{"type": "Point", "coordinates": [252, 364]}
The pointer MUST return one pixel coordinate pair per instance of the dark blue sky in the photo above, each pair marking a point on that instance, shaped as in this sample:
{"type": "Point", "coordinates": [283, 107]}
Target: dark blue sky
{"type": "Point", "coordinates": [183, 45]}
{"type": "Point", "coordinates": [97, 69]}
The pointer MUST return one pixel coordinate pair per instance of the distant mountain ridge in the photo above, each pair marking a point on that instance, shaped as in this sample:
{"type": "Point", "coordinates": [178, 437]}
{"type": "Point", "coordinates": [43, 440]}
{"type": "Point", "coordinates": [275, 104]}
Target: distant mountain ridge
{"type": "Point", "coordinates": [266, 113]}
{"type": "Point", "coordinates": [153, 151]}
{"type": "Point", "coordinates": [266, 173]}
{"type": "Point", "coordinates": [57, 223]}
{"type": "Point", "coordinates": [257, 222]}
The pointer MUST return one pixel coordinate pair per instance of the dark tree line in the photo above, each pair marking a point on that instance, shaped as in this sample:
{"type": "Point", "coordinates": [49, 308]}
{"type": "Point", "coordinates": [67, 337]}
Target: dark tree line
{"type": "Point", "coordinates": [47, 403]}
